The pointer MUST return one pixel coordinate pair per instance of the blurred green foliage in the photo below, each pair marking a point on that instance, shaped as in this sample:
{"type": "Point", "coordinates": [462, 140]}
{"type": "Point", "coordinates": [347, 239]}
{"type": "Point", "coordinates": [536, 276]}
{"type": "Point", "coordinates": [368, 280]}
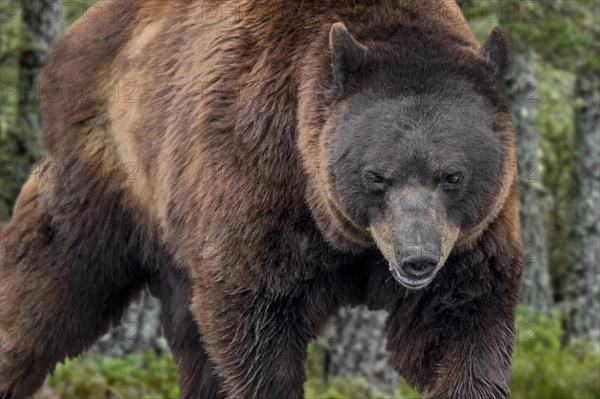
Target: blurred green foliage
{"type": "Point", "coordinates": [136, 375]}
{"type": "Point", "coordinates": [542, 369]}
{"type": "Point", "coordinates": [10, 45]}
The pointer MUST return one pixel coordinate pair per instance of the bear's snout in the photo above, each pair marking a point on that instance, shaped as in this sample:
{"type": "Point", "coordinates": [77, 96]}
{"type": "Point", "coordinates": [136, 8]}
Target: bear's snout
{"type": "Point", "coordinates": [416, 264]}
{"type": "Point", "coordinates": [418, 261]}
{"type": "Point", "coordinates": [415, 236]}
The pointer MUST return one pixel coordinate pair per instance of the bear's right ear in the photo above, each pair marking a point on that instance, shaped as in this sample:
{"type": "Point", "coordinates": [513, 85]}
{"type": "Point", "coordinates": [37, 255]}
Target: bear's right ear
{"type": "Point", "coordinates": [347, 54]}
{"type": "Point", "coordinates": [497, 48]}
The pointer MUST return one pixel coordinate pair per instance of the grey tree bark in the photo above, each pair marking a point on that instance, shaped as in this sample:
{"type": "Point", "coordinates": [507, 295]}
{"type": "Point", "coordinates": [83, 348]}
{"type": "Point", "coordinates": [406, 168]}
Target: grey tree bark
{"type": "Point", "coordinates": [536, 291]}
{"type": "Point", "coordinates": [139, 330]}
{"type": "Point", "coordinates": [356, 347]}
{"type": "Point", "coordinates": [582, 286]}
{"type": "Point", "coordinates": [42, 27]}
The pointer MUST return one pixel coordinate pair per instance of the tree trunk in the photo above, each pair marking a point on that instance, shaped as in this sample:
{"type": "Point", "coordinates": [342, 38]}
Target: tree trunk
{"type": "Point", "coordinates": [139, 330]}
{"type": "Point", "coordinates": [536, 291]}
{"type": "Point", "coordinates": [357, 348]}
{"type": "Point", "coordinates": [582, 286]}
{"type": "Point", "coordinates": [42, 26]}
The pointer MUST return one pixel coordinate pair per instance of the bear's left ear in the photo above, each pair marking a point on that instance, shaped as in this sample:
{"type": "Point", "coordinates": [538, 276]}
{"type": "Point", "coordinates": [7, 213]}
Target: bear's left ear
{"type": "Point", "coordinates": [497, 48]}
{"type": "Point", "coordinates": [347, 54]}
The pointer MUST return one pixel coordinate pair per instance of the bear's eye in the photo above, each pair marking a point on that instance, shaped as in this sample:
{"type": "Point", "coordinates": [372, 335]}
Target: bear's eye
{"type": "Point", "coordinates": [374, 181]}
{"type": "Point", "coordinates": [452, 181]}
{"type": "Point", "coordinates": [454, 178]}
{"type": "Point", "coordinates": [374, 178]}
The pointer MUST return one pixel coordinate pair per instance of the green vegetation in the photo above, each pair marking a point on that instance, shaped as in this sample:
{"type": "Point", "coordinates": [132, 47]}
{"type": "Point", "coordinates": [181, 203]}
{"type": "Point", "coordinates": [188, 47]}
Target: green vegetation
{"type": "Point", "coordinates": [137, 375]}
{"type": "Point", "coordinates": [9, 46]}
{"type": "Point", "coordinates": [542, 369]}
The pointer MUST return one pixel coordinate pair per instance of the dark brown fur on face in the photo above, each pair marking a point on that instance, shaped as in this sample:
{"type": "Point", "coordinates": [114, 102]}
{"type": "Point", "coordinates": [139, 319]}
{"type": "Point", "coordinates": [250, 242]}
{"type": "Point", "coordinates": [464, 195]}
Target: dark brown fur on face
{"type": "Point", "coordinates": [210, 185]}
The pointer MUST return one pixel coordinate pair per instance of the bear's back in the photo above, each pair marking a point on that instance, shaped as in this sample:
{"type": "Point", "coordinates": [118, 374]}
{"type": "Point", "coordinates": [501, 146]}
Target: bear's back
{"type": "Point", "coordinates": [118, 41]}
{"type": "Point", "coordinates": [170, 87]}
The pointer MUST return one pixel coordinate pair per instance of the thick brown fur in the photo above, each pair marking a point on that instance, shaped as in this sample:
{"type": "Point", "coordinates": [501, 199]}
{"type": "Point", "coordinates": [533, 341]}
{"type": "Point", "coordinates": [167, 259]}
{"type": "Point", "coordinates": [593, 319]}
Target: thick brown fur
{"type": "Point", "coordinates": [208, 184]}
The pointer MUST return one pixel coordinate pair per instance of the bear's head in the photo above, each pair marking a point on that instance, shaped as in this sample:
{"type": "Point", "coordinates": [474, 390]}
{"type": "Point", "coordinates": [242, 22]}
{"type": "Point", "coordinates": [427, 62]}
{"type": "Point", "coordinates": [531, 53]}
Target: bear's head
{"type": "Point", "coordinates": [409, 147]}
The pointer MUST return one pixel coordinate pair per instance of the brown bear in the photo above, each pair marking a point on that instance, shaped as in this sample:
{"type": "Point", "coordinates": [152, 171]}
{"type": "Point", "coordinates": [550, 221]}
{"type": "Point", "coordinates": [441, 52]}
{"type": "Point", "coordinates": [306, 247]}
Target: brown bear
{"type": "Point", "coordinates": [258, 165]}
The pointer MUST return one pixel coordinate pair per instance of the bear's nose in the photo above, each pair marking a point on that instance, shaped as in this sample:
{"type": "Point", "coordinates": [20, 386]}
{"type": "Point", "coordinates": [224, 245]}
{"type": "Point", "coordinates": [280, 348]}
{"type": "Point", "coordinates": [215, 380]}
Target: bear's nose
{"type": "Point", "coordinates": [419, 266]}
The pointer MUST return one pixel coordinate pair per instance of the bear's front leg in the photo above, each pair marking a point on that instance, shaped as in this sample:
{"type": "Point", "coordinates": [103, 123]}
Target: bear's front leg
{"type": "Point", "coordinates": [454, 339]}
{"type": "Point", "coordinates": [257, 343]}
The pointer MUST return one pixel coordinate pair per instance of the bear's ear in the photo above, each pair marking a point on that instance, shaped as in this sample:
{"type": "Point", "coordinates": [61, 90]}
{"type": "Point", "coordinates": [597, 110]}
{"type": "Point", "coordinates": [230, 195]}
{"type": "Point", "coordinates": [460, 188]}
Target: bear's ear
{"type": "Point", "coordinates": [497, 48]}
{"type": "Point", "coordinates": [347, 55]}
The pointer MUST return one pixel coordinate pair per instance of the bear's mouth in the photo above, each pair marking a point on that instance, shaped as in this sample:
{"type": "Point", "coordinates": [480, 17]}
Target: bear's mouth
{"type": "Point", "coordinates": [411, 283]}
